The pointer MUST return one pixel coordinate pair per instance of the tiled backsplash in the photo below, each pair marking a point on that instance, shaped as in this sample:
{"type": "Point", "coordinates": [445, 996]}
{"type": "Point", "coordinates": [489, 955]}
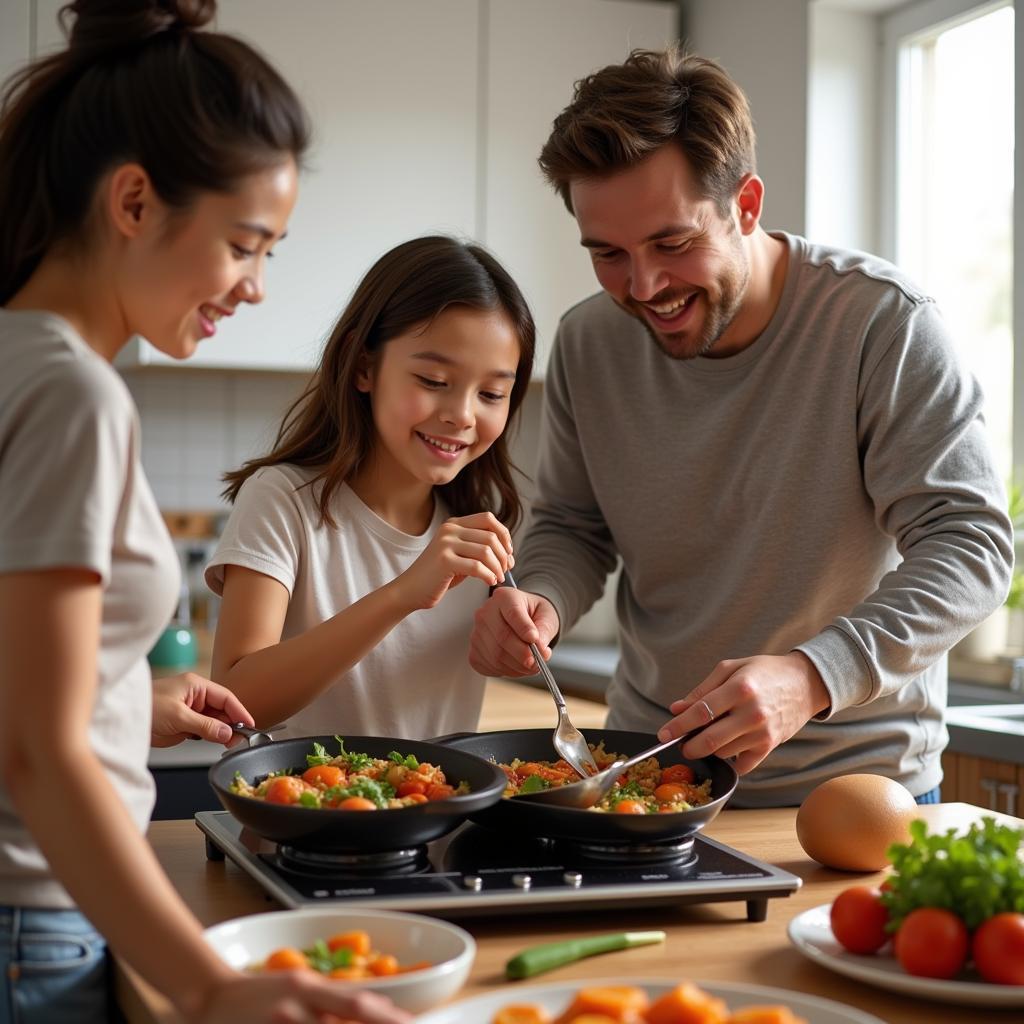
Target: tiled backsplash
{"type": "Point", "coordinates": [197, 424]}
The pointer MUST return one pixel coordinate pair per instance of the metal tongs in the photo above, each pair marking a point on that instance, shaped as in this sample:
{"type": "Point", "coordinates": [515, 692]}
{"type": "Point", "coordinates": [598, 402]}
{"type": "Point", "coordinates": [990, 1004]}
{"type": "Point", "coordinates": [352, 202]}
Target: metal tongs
{"type": "Point", "coordinates": [570, 743]}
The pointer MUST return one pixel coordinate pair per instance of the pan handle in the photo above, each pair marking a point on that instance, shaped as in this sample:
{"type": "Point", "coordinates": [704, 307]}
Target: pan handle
{"type": "Point", "coordinates": [253, 737]}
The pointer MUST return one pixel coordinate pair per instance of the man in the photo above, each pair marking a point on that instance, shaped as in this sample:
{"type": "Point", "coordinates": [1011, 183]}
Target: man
{"type": "Point", "coordinates": [776, 439]}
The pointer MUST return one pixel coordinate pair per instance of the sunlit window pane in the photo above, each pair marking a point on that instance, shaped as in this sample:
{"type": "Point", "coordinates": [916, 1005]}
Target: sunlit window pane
{"type": "Point", "coordinates": [955, 196]}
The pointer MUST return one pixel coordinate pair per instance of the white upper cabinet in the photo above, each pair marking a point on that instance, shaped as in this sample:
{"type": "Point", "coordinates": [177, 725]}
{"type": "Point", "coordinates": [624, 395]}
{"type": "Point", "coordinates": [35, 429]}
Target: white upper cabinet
{"type": "Point", "coordinates": [428, 116]}
{"type": "Point", "coordinates": [536, 51]}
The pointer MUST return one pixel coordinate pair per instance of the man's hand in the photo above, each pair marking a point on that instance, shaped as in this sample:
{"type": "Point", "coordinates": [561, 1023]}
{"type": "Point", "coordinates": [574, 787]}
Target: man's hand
{"type": "Point", "coordinates": [190, 706]}
{"type": "Point", "coordinates": [506, 624]}
{"type": "Point", "coordinates": [748, 706]}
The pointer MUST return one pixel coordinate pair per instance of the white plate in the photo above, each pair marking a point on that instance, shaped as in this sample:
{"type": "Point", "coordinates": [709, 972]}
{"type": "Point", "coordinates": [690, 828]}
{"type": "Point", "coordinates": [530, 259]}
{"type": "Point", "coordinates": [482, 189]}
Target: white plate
{"type": "Point", "coordinates": [555, 998]}
{"type": "Point", "coordinates": [811, 933]}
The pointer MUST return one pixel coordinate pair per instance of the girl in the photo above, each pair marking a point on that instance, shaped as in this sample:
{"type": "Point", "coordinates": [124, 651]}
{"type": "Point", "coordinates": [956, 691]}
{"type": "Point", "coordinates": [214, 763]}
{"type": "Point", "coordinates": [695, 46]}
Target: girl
{"type": "Point", "coordinates": [339, 563]}
{"type": "Point", "coordinates": [145, 172]}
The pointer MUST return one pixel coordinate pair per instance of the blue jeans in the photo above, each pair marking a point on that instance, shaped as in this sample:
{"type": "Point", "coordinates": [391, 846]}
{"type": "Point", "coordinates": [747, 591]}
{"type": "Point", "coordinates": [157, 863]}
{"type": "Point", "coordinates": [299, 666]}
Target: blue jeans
{"type": "Point", "coordinates": [54, 969]}
{"type": "Point", "coordinates": [931, 797]}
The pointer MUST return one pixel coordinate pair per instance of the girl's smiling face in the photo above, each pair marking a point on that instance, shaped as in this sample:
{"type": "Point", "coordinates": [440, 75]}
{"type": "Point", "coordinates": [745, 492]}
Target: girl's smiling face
{"type": "Point", "coordinates": [440, 395]}
{"type": "Point", "coordinates": [187, 270]}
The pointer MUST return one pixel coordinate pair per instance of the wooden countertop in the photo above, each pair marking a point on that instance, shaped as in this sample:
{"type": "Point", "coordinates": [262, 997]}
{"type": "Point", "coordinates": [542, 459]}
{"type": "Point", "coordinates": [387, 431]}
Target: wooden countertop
{"type": "Point", "coordinates": [711, 942]}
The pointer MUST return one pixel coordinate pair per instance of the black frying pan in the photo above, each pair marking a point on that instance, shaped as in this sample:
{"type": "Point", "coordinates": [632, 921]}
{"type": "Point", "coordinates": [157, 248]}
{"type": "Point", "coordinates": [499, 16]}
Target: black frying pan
{"type": "Point", "coordinates": [354, 831]}
{"type": "Point", "coordinates": [526, 817]}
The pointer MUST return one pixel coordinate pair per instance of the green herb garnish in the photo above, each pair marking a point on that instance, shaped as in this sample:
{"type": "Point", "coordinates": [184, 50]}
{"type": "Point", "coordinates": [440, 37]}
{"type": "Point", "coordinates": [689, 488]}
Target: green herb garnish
{"type": "Point", "coordinates": [975, 875]}
{"type": "Point", "coordinates": [379, 792]}
{"type": "Point", "coordinates": [534, 784]}
{"type": "Point", "coordinates": [355, 762]}
{"type": "Point", "coordinates": [409, 761]}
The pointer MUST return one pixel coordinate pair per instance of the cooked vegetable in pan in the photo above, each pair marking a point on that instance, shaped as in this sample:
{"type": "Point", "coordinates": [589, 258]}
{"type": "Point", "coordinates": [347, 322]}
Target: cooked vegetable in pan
{"type": "Point", "coordinates": [646, 788]}
{"type": "Point", "coordinates": [350, 781]}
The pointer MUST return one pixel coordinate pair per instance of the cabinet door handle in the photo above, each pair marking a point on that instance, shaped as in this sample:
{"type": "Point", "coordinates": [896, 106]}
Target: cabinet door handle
{"type": "Point", "coordinates": [1009, 791]}
{"type": "Point", "coordinates": [990, 786]}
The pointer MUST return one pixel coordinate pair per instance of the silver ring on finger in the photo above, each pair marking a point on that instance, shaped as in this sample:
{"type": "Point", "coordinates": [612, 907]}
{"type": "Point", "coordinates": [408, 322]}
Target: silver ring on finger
{"type": "Point", "coordinates": [707, 709]}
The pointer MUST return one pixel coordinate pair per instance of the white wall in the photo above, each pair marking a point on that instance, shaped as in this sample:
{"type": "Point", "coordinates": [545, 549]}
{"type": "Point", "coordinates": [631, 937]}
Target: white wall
{"type": "Point", "coordinates": [842, 137]}
{"type": "Point", "coordinates": [763, 44]}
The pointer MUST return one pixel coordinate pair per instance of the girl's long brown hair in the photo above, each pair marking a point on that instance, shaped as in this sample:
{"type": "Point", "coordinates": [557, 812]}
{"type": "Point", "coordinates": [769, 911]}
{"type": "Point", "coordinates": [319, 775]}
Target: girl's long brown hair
{"type": "Point", "coordinates": [330, 425]}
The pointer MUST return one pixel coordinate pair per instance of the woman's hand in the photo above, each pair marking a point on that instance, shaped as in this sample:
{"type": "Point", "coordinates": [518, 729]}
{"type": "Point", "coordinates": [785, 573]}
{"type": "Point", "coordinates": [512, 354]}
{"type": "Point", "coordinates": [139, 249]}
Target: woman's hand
{"type": "Point", "coordinates": [190, 706]}
{"type": "Point", "coordinates": [476, 545]}
{"type": "Point", "coordinates": [295, 997]}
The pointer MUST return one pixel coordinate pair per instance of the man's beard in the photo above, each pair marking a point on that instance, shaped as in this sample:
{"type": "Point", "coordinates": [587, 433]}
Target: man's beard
{"type": "Point", "coordinates": [717, 318]}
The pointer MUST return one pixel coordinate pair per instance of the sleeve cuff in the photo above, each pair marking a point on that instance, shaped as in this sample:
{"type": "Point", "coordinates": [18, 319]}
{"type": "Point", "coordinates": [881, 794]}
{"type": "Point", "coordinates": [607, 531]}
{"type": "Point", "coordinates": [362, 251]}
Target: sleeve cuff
{"type": "Point", "coordinates": [843, 667]}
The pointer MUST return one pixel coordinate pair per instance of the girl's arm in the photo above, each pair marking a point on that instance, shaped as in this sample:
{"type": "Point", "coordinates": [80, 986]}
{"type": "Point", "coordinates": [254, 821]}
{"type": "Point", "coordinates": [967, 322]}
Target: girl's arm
{"type": "Point", "coordinates": [275, 679]}
{"type": "Point", "coordinates": [49, 625]}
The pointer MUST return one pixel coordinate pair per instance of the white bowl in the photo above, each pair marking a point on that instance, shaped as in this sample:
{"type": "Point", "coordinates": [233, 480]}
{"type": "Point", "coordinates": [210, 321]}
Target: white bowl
{"type": "Point", "coordinates": [246, 941]}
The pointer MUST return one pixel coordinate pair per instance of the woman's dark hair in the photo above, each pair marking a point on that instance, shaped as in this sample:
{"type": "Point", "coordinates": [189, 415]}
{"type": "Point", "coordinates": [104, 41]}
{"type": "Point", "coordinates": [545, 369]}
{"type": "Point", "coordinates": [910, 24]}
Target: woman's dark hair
{"type": "Point", "coordinates": [330, 426]}
{"type": "Point", "coordinates": [137, 83]}
{"type": "Point", "coordinates": [623, 113]}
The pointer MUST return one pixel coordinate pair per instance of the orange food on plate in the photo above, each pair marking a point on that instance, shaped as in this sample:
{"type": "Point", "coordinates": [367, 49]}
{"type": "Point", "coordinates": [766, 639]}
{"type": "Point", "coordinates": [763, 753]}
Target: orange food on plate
{"type": "Point", "coordinates": [522, 1013]}
{"type": "Point", "coordinates": [687, 1004]}
{"type": "Point", "coordinates": [619, 1003]}
{"type": "Point", "coordinates": [628, 1004]}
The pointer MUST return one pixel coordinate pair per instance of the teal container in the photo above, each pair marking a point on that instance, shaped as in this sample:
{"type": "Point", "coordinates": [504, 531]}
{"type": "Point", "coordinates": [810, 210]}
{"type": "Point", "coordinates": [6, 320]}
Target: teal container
{"type": "Point", "coordinates": [176, 648]}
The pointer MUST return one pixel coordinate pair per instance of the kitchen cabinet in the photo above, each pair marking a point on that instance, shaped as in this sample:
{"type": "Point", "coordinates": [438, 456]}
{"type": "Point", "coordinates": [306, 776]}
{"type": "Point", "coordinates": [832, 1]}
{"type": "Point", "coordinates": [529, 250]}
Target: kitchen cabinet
{"type": "Point", "coordinates": [994, 785]}
{"type": "Point", "coordinates": [428, 117]}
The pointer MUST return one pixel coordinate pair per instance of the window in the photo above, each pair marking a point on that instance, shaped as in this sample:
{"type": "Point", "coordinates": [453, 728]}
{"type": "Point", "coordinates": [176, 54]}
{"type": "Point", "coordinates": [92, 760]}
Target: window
{"type": "Point", "coordinates": [954, 176]}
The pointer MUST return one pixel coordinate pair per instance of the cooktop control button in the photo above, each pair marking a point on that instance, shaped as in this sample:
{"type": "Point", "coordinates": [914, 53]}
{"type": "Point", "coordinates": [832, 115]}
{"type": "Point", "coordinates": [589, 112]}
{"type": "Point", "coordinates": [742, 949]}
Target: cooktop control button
{"type": "Point", "coordinates": [474, 882]}
{"type": "Point", "coordinates": [573, 878]}
{"type": "Point", "coordinates": [522, 881]}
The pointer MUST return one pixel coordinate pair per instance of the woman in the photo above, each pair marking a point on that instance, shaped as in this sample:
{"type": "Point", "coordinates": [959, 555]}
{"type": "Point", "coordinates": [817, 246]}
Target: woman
{"type": "Point", "coordinates": [145, 173]}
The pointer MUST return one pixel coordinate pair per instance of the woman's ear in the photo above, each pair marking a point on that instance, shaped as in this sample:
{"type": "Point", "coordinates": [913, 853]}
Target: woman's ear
{"type": "Point", "coordinates": [364, 373]}
{"type": "Point", "coordinates": [130, 200]}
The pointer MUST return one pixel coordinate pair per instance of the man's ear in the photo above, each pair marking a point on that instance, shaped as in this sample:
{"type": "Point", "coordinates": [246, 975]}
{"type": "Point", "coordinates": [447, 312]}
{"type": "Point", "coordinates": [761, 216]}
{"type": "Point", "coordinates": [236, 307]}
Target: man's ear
{"type": "Point", "coordinates": [749, 203]}
{"type": "Point", "coordinates": [130, 199]}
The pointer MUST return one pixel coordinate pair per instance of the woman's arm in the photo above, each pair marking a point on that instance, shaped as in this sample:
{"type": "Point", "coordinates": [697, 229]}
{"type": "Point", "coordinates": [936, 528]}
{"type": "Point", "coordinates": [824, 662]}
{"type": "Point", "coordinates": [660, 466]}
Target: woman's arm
{"type": "Point", "coordinates": [49, 625]}
{"type": "Point", "coordinates": [275, 679]}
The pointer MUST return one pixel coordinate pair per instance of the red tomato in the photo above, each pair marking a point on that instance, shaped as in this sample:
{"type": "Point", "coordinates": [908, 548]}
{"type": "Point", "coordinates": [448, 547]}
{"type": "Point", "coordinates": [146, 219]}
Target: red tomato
{"type": "Point", "coordinates": [858, 920]}
{"type": "Point", "coordinates": [286, 789]}
{"type": "Point", "coordinates": [325, 775]}
{"type": "Point", "coordinates": [931, 943]}
{"type": "Point", "coordinates": [677, 773]}
{"type": "Point", "coordinates": [630, 807]}
{"type": "Point", "coordinates": [411, 786]}
{"type": "Point", "coordinates": [998, 949]}
{"type": "Point", "coordinates": [357, 803]}
{"type": "Point", "coordinates": [440, 791]}
{"type": "Point", "coordinates": [669, 793]}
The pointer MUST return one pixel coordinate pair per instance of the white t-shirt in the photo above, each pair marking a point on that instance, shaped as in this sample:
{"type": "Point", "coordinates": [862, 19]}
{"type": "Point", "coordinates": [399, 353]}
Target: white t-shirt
{"type": "Point", "coordinates": [417, 682]}
{"type": "Point", "coordinates": [74, 495]}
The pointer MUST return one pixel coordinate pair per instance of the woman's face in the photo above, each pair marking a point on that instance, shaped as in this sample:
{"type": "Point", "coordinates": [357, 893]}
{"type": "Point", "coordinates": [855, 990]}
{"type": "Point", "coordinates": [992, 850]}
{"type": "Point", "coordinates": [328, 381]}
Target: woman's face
{"type": "Point", "coordinates": [440, 394]}
{"type": "Point", "coordinates": [194, 267]}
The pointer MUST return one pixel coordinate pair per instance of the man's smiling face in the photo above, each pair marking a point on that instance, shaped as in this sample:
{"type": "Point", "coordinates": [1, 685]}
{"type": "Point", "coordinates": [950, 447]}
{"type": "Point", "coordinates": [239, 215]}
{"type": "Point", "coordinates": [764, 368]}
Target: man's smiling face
{"type": "Point", "coordinates": [664, 253]}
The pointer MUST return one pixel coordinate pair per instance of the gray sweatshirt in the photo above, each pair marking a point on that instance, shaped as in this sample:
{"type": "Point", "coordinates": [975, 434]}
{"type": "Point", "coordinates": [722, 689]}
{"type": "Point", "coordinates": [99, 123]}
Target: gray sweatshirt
{"type": "Point", "coordinates": [829, 489]}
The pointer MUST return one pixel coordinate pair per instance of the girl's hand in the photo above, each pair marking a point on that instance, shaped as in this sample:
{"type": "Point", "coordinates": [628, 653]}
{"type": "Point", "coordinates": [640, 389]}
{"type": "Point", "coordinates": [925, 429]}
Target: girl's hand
{"type": "Point", "coordinates": [295, 997]}
{"type": "Point", "coordinates": [189, 705]}
{"type": "Point", "coordinates": [476, 545]}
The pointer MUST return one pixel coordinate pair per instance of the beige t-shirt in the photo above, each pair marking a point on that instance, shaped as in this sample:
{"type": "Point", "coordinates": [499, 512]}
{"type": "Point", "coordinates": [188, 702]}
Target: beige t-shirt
{"type": "Point", "coordinates": [74, 495]}
{"type": "Point", "coordinates": [417, 682]}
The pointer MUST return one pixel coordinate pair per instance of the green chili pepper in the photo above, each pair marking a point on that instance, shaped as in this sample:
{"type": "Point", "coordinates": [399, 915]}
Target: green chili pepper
{"type": "Point", "coordinates": [547, 957]}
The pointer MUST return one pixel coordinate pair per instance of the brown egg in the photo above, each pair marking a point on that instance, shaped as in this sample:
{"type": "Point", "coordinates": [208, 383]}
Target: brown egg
{"type": "Point", "coordinates": [849, 822]}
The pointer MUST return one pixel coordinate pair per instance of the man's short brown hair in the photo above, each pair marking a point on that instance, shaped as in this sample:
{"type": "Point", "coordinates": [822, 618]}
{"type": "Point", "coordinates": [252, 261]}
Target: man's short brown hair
{"type": "Point", "coordinates": [623, 113]}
